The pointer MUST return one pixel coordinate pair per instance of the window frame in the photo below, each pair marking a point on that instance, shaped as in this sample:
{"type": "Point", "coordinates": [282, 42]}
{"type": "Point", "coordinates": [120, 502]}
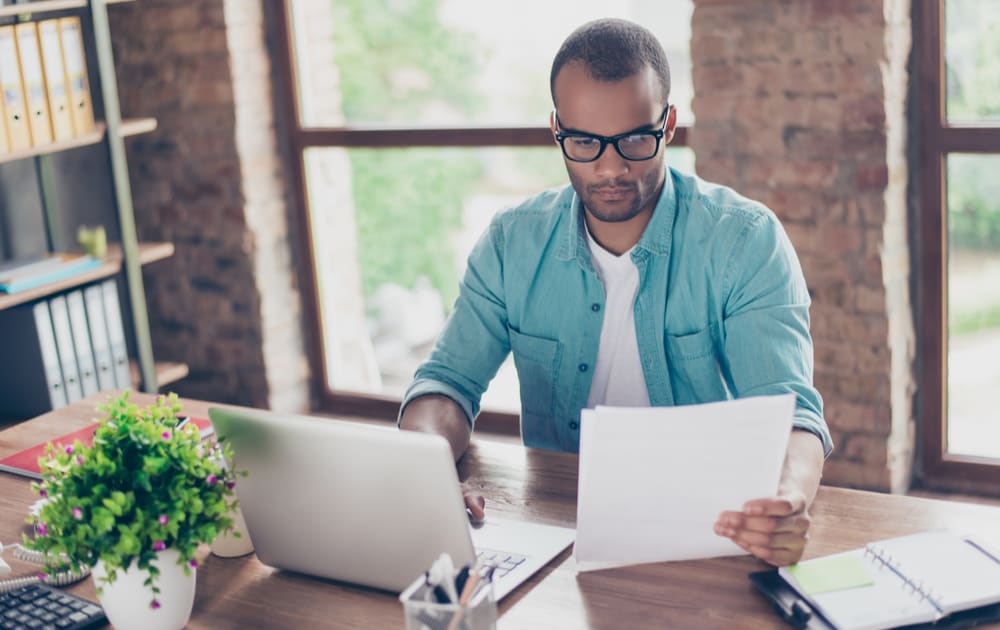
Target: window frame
{"type": "Point", "coordinates": [298, 139]}
{"type": "Point", "coordinates": [938, 138]}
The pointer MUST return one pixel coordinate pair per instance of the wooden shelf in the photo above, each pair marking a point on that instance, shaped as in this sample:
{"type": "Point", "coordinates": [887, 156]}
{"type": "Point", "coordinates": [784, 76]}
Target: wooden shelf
{"type": "Point", "coordinates": [166, 372]}
{"type": "Point", "coordinates": [130, 127]}
{"type": "Point", "coordinates": [137, 126]}
{"type": "Point", "coordinates": [112, 264]}
{"type": "Point", "coordinates": [48, 6]}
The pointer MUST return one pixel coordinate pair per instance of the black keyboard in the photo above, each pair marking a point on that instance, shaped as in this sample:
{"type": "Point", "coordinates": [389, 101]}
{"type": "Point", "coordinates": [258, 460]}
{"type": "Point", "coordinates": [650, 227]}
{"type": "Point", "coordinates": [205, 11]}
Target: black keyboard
{"type": "Point", "coordinates": [42, 607]}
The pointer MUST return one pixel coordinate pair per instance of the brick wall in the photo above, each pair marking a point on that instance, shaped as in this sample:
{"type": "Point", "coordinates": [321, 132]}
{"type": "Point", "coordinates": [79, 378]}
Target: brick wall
{"type": "Point", "coordinates": [211, 180]}
{"type": "Point", "coordinates": [801, 105]}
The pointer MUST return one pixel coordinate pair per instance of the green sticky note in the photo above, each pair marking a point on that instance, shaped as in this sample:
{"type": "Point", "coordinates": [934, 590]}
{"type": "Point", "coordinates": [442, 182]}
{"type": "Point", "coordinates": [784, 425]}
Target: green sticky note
{"type": "Point", "coordinates": [834, 573]}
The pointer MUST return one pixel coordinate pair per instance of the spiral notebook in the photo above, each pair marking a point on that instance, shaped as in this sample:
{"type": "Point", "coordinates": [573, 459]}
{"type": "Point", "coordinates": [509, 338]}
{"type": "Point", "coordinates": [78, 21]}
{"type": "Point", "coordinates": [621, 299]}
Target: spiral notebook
{"type": "Point", "coordinates": [914, 579]}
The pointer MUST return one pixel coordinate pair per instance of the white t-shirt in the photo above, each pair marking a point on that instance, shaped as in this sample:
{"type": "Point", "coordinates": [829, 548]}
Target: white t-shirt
{"type": "Point", "coordinates": [618, 377]}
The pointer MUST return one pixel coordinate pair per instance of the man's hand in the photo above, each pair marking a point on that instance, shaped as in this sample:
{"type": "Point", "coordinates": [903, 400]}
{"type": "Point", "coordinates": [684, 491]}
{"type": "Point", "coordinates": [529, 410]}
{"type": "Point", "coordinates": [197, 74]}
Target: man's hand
{"type": "Point", "coordinates": [475, 503]}
{"type": "Point", "coordinates": [775, 530]}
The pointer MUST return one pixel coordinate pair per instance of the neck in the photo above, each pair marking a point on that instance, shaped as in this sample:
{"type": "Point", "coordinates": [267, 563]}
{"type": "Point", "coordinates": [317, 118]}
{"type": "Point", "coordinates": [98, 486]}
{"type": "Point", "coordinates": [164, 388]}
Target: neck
{"type": "Point", "coordinates": [618, 237]}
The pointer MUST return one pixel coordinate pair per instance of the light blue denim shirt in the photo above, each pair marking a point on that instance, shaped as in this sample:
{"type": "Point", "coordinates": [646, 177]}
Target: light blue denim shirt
{"type": "Point", "coordinates": [722, 311]}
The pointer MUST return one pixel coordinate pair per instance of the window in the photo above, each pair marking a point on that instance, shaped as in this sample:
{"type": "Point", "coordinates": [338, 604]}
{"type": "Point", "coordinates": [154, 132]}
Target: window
{"type": "Point", "coordinates": [959, 238]}
{"type": "Point", "coordinates": [413, 122]}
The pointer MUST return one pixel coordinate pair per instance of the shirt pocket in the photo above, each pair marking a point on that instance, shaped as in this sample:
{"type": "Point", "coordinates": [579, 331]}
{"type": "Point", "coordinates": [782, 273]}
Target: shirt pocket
{"type": "Point", "coordinates": [537, 363]}
{"type": "Point", "coordinates": [695, 372]}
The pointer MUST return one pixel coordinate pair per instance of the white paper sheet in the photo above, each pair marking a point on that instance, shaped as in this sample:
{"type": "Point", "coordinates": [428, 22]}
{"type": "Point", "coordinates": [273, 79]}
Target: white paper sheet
{"type": "Point", "coordinates": [654, 480]}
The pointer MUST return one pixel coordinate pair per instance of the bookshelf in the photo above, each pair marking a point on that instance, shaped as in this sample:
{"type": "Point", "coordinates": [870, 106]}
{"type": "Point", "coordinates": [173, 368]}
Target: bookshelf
{"type": "Point", "coordinates": [126, 258]}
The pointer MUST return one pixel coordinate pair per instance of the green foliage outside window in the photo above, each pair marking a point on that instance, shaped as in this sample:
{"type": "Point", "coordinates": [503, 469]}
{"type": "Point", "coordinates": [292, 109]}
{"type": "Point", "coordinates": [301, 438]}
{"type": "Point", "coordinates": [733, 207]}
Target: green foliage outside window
{"type": "Point", "coordinates": [396, 59]}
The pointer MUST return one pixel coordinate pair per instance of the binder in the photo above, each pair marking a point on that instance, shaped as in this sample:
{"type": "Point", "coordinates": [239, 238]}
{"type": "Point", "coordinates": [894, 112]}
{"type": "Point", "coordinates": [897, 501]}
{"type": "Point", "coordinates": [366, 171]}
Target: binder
{"type": "Point", "coordinates": [116, 335]}
{"type": "Point", "coordinates": [93, 300]}
{"type": "Point", "coordinates": [81, 342]}
{"type": "Point", "coordinates": [15, 104]}
{"type": "Point", "coordinates": [56, 86]}
{"type": "Point", "coordinates": [933, 577]}
{"type": "Point", "coordinates": [4, 145]}
{"type": "Point", "coordinates": [33, 383]}
{"type": "Point", "coordinates": [64, 344]}
{"type": "Point", "coordinates": [75, 64]}
{"type": "Point", "coordinates": [37, 105]}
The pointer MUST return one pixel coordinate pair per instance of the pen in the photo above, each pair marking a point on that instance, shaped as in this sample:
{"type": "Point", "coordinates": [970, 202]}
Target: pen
{"type": "Point", "coordinates": [468, 589]}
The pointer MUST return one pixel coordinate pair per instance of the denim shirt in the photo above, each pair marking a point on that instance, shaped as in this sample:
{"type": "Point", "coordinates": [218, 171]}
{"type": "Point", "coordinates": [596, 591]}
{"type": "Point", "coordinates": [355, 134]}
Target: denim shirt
{"type": "Point", "coordinates": [722, 311]}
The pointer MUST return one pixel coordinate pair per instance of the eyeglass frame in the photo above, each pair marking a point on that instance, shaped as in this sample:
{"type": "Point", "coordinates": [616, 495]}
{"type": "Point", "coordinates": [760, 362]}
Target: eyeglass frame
{"type": "Point", "coordinates": [658, 134]}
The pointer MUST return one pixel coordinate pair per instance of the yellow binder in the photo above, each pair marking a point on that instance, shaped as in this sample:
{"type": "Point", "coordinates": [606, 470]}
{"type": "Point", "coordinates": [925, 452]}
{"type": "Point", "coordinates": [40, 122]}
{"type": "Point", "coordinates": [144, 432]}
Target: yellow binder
{"type": "Point", "coordinates": [55, 80]}
{"type": "Point", "coordinates": [75, 63]}
{"type": "Point", "coordinates": [16, 114]}
{"type": "Point", "coordinates": [4, 147]}
{"type": "Point", "coordinates": [34, 83]}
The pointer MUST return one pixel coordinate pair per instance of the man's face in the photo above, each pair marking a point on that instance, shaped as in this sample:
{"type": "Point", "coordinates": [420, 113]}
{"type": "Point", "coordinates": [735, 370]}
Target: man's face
{"type": "Point", "coordinates": [612, 188]}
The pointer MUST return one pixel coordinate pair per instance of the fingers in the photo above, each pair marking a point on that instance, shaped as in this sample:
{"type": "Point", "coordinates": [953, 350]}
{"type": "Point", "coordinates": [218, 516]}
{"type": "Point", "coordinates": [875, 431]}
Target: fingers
{"type": "Point", "coordinates": [776, 506]}
{"type": "Point", "coordinates": [476, 504]}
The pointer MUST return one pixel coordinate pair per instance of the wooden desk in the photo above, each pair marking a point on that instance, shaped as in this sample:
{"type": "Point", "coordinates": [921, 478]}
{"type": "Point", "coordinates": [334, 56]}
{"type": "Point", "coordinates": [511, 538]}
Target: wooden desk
{"type": "Point", "coordinates": [535, 485]}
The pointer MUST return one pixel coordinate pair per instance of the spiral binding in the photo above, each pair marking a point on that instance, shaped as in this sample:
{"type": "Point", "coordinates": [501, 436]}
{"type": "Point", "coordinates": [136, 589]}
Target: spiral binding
{"type": "Point", "coordinates": [918, 588]}
{"type": "Point", "coordinates": [59, 578]}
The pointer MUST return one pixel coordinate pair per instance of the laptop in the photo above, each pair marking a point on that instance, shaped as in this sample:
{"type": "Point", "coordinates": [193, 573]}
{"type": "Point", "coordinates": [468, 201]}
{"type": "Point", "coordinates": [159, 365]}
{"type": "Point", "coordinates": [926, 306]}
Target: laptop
{"type": "Point", "coordinates": [366, 504]}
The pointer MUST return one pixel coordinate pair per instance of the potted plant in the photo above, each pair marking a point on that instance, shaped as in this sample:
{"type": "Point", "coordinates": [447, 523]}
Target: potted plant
{"type": "Point", "coordinates": [134, 506]}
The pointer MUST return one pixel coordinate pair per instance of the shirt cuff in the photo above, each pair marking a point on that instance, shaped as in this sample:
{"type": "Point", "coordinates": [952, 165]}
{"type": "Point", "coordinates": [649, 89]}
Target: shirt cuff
{"type": "Point", "coordinates": [817, 428]}
{"type": "Point", "coordinates": [427, 387]}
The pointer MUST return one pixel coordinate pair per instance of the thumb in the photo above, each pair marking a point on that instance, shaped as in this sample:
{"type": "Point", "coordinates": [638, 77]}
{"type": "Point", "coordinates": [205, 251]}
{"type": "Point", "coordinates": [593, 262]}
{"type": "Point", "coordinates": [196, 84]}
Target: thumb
{"type": "Point", "coordinates": [476, 504]}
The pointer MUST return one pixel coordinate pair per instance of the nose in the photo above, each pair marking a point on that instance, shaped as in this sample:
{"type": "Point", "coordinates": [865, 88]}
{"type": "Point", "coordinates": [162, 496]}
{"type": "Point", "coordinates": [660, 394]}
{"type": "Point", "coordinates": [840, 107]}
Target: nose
{"type": "Point", "coordinates": [610, 164]}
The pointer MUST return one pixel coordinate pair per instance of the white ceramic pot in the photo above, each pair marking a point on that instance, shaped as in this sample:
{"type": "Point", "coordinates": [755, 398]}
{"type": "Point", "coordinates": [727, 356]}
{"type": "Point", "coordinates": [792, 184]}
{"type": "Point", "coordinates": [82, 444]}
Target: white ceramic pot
{"type": "Point", "coordinates": [226, 545]}
{"type": "Point", "coordinates": [126, 601]}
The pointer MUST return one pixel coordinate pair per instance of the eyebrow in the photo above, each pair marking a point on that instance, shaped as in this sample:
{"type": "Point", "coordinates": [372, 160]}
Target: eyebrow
{"type": "Point", "coordinates": [647, 127]}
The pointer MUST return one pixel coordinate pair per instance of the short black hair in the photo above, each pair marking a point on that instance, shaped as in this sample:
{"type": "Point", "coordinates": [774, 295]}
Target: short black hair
{"type": "Point", "coordinates": [611, 50]}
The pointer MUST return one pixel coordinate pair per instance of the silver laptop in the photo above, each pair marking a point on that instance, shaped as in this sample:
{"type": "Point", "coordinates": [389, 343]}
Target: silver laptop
{"type": "Point", "coordinates": [366, 504]}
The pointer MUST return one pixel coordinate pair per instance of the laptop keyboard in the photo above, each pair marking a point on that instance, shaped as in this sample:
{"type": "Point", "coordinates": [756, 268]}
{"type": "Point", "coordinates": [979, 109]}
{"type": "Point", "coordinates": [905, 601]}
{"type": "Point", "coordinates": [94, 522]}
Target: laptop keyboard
{"type": "Point", "coordinates": [503, 561]}
{"type": "Point", "coordinates": [41, 606]}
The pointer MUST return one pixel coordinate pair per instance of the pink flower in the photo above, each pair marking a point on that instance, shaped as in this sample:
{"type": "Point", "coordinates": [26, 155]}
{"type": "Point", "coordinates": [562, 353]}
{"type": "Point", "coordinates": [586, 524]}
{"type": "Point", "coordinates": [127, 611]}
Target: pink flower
{"type": "Point", "coordinates": [230, 484]}
{"type": "Point", "coordinates": [42, 492]}
{"type": "Point", "coordinates": [166, 435]}
{"type": "Point", "coordinates": [163, 519]}
{"type": "Point", "coordinates": [211, 479]}
{"type": "Point", "coordinates": [79, 459]}
{"type": "Point", "coordinates": [42, 529]}
{"type": "Point", "coordinates": [193, 562]}
{"type": "Point", "coordinates": [43, 576]}
{"type": "Point", "coordinates": [155, 605]}
{"type": "Point", "coordinates": [69, 450]}
{"type": "Point", "coordinates": [77, 513]}
{"type": "Point", "coordinates": [159, 545]}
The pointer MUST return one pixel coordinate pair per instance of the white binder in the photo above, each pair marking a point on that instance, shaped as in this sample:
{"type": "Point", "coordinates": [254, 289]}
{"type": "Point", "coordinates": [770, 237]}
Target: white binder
{"type": "Point", "coordinates": [116, 335]}
{"type": "Point", "coordinates": [64, 344]}
{"type": "Point", "coordinates": [49, 354]}
{"type": "Point", "coordinates": [81, 341]}
{"type": "Point", "coordinates": [93, 298]}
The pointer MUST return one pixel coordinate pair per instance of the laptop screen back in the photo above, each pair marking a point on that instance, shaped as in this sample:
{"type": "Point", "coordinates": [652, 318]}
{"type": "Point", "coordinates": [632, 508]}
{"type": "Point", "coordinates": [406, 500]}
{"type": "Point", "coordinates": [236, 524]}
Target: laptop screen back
{"type": "Point", "coordinates": [363, 504]}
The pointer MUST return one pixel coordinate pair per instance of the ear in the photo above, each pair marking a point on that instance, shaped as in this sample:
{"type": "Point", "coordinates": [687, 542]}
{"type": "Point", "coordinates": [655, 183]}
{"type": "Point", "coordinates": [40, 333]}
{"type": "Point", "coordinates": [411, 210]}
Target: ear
{"type": "Point", "coordinates": [668, 132]}
{"type": "Point", "coordinates": [552, 125]}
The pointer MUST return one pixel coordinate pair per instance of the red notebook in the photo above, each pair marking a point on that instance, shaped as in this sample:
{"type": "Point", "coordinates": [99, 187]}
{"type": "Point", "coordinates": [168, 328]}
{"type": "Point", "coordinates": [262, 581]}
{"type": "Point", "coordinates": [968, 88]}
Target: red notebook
{"type": "Point", "coordinates": [26, 462]}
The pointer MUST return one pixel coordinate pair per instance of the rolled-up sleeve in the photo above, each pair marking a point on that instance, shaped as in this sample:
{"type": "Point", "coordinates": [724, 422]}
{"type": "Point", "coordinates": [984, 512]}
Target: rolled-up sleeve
{"type": "Point", "coordinates": [768, 348]}
{"type": "Point", "coordinates": [474, 341]}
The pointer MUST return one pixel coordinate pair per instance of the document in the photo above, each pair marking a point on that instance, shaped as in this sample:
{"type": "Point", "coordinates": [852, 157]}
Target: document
{"type": "Point", "coordinates": [654, 480]}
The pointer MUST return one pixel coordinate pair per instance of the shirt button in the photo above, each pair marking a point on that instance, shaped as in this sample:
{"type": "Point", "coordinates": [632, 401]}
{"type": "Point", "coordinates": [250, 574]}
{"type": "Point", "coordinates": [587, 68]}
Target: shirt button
{"type": "Point", "coordinates": [595, 307]}
{"type": "Point", "coordinates": [583, 367]}
{"type": "Point", "coordinates": [574, 425]}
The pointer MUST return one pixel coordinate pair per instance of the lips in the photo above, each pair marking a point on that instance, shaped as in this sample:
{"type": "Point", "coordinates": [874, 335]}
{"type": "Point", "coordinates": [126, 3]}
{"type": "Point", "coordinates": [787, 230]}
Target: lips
{"type": "Point", "coordinates": [611, 194]}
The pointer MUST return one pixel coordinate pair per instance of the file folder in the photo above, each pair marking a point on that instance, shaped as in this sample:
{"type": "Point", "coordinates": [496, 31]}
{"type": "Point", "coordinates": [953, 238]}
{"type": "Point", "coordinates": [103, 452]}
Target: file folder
{"type": "Point", "coordinates": [14, 102]}
{"type": "Point", "coordinates": [75, 64]}
{"type": "Point", "coordinates": [33, 383]}
{"type": "Point", "coordinates": [37, 104]}
{"type": "Point", "coordinates": [56, 87]}
{"type": "Point", "coordinates": [81, 341]}
{"type": "Point", "coordinates": [64, 345]}
{"type": "Point", "coordinates": [116, 335]}
{"type": "Point", "coordinates": [93, 299]}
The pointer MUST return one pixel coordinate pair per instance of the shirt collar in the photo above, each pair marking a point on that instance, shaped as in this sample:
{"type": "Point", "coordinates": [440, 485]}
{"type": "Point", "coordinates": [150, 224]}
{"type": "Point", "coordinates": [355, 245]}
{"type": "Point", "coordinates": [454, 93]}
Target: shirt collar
{"type": "Point", "coordinates": [655, 239]}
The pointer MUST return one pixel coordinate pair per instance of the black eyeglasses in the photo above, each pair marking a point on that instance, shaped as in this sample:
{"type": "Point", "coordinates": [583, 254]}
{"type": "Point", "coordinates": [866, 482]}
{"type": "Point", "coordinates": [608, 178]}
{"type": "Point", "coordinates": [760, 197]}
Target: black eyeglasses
{"type": "Point", "coordinates": [636, 145]}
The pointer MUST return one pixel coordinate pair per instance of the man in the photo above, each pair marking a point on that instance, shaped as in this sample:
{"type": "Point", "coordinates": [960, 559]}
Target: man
{"type": "Point", "coordinates": [637, 285]}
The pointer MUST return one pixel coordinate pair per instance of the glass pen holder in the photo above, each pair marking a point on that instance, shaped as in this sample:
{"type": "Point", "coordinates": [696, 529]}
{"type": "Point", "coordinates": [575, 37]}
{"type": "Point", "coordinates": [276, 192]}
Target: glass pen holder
{"type": "Point", "coordinates": [423, 611]}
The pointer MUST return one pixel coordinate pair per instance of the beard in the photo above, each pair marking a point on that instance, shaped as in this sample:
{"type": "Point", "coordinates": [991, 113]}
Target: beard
{"type": "Point", "coordinates": [618, 200]}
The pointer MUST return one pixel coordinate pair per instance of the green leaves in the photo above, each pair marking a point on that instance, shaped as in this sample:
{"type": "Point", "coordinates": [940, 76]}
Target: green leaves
{"type": "Point", "coordinates": [142, 485]}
